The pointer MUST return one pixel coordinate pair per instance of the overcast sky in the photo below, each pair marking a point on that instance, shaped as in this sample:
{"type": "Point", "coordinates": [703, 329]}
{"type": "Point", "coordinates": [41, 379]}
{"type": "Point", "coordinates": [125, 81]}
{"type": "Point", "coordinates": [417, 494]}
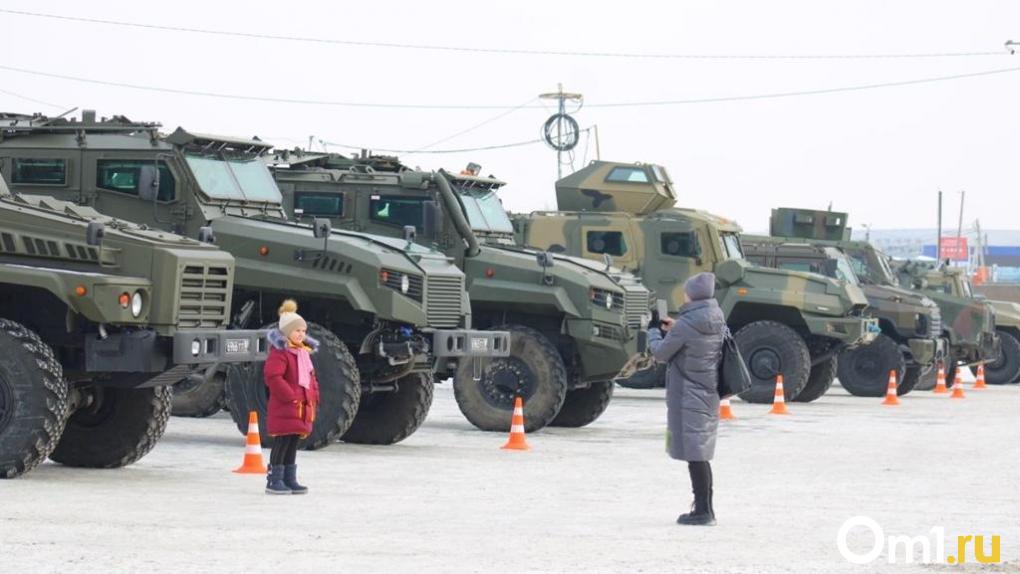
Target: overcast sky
{"type": "Point", "coordinates": [881, 154]}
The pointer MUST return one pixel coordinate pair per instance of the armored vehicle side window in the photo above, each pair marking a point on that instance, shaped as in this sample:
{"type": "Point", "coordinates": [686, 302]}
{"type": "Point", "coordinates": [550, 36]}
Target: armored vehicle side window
{"type": "Point", "coordinates": [684, 244]}
{"type": "Point", "coordinates": [627, 175]}
{"type": "Point", "coordinates": [40, 171]}
{"type": "Point", "coordinates": [800, 266]}
{"type": "Point", "coordinates": [399, 211]}
{"type": "Point", "coordinates": [731, 241]}
{"type": "Point", "coordinates": [328, 204]}
{"type": "Point", "coordinates": [130, 176]}
{"type": "Point", "coordinates": [611, 242]}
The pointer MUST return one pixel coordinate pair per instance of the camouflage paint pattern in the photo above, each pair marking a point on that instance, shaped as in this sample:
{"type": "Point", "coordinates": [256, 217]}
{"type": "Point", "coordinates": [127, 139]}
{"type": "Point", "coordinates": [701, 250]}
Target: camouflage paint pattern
{"type": "Point", "coordinates": [909, 318]}
{"type": "Point", "coordinates": [665, 245]}
{"type": "Point", "coordinates": [505, 281]}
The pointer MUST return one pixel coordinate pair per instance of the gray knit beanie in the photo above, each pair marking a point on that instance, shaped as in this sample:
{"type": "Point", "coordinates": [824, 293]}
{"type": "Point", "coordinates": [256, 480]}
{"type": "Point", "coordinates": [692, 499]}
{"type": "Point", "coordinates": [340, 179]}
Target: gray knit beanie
{"type": "Point", "coordinates": [700, 286]}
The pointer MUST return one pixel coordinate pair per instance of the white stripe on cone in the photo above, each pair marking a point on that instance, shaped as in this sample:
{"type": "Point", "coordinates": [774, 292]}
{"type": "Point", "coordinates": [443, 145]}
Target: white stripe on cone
{"type": "Point", "coordinates": [253, 449]}
{"type": "Point", "coordinates": [517, 428]}
{"type": "Point", "coordinates": [253, 428]}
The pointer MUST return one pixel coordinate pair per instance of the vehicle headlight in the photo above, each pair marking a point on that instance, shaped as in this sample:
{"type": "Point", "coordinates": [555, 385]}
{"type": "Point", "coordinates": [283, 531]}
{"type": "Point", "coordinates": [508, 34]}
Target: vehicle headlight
{"type": "Point", "coordinates": [609, 301]}
{"type": "Point", "coordinates": [136, 304]}
{"type": "Point", "coordinates": [405, 284]}
{"type": "Point", "coordinates": [196, 347]}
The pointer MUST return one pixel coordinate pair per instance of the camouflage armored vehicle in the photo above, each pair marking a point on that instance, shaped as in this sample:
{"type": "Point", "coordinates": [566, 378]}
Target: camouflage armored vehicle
{"type": "Point", "coordinates": [785, 322]}
{"type": "Point", "coordinates": [1001, 354]}
{"type": "Point", "coordinates": [967, 324]}
{"type": "Point", "coordinates": [97, 317]}
{"type": "Point", "coordinates": [574, 322]}
{"type": "Point", "coordinates": [388, 313]}
{"type": "Point", "coordinates": [911, 323]}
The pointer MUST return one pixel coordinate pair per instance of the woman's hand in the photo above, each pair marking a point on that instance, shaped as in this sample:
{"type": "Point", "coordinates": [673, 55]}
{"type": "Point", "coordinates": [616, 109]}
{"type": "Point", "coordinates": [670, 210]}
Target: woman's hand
{"type": "Point", "coordinates": [666, 323]}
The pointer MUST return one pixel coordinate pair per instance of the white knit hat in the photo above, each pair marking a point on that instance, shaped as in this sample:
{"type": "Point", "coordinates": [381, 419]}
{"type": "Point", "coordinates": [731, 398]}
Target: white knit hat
{"type": "Point", "coordinates": [289, 319]}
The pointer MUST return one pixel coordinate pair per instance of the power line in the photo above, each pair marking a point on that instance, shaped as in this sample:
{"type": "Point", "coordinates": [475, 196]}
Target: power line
{"type": "Point", "coordinates": [478, 125]}
{"type": "Point", "coordinates": [28, 99]}
{"type": "Point", "coordinates": [510, 51]}
{"type": "Point", "coordinates": [434, 151]}
{"type": "Point", "coordinates": [503, 107]}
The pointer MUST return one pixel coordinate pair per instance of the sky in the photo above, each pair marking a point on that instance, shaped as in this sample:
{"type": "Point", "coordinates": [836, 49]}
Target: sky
{"type": "Point", "coordinates": [881, 154]}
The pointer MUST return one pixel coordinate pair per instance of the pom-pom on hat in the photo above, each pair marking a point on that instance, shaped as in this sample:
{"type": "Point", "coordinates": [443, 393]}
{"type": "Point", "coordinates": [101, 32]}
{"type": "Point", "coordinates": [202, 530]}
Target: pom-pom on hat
{"type": "Point", "coordinates": [289, 319]}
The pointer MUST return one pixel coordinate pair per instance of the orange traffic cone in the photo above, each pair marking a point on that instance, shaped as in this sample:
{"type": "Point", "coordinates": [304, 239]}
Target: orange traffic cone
{"type": "Point", "coordinates": [890, 391]}
{"type": "Point", "coordinates": [253, 449]}
{"type": "Point", "coordinates": [940, 380]}
{"type": "Point", "coordinates": [979, 379]}
{"type": "Point", "coordinates": [517, 440]}
{"type": "Point", "coordinates": [957, 386]}
{"type": "Point", "coordinates": [725, 411]}
{"type": "Point", "coordinates": [779, 400]}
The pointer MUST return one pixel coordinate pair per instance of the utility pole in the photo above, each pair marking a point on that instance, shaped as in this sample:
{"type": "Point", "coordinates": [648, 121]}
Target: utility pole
{"type": "Point", "coordinates": [959, 226]}
{"type": "Point", "coordinates": [561, 131]}
{"type": "Point", "coordinates": [938, 242]}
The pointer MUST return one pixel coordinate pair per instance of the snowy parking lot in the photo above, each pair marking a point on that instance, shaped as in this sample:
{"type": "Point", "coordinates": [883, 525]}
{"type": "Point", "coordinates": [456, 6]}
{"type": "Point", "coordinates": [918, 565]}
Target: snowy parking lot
{"type": "Point", "coordinates": [598, 499]}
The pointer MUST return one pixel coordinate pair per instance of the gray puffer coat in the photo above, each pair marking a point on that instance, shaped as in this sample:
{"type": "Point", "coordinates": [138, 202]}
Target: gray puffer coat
{"type": "Point", "coordinates": [692, 349]}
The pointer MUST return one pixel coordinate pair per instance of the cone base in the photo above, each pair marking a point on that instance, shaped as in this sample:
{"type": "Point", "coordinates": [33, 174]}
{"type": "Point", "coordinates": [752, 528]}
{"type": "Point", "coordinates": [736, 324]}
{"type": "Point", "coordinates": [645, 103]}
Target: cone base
{"type": "Point", "coordinates": [515, 446]}
{"type": "Point", "coordinates": [244, 470]}
{"type": "Point", "coordinates": [891, 402]}
{"type": "Point", "coordinates": [779, 411]}
{"type": "Point", "coordinates": [940, 390]}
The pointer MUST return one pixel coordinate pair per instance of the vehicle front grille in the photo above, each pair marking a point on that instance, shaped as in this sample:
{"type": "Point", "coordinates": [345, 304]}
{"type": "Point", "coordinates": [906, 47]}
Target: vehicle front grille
{"type": "Point", "coordinates": [936, 323]}
{"type": "Point", "coordinates": [635, 308]}
{"type": "Point", "coordinates": [205, 291]}
{"type": "Point", "coordinates": [598, 298]}
{"type": "Point", "coordinates": [443, 301]}
{"type": "Point", "coordinates": [393, 280]}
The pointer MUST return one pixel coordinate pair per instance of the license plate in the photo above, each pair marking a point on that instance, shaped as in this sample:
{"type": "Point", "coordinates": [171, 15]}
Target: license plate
{"type": "Point", "coordinates": [237, 345]}
{"type": "Point", "coordinates": [479, 344]}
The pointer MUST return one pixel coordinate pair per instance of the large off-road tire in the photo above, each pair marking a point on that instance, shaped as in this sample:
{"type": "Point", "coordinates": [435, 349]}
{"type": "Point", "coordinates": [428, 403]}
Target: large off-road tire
{"type": "Point", "coordinates": [1005, 369]}
{"type": "Point", "coordinates": [118, 427]}
{"type": "Point", "coordinates": [819, 381]}
{"type": "Point", "coordinates": [911, 377]}
{"type": "Point", "coordinates": [770, 349]}
{"type": "Point", "coordinates": [864, 370]}
{"type": "Point", "coordinates": [33, 400]}
{"type": "Point", "coordinates": [199, 399]}
{"type": "Point", "coordinates": [583, 406]}
{"type": "Point", "coordinates": [339, 391]}
{"type": "Point", "coordinates": [390, 417]}
{"type": "Point", "coordinates": [534, 370]}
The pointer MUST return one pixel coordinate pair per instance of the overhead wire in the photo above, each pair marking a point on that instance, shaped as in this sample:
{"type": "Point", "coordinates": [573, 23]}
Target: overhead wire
{"type": "Point", "coordinates": [418, 106]}
{"type": "Point", "coordinates": [478, 125]}
{"type": "Point", "coordinates": [34, 100]}
{"type": "Point", "coordinates": [509, 51]}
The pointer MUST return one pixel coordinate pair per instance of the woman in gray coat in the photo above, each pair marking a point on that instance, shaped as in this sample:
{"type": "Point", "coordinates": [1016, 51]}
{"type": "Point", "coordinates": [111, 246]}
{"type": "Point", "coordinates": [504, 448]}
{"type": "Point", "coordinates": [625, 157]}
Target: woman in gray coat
{"type": "Point", "coordinates": [692, 348]}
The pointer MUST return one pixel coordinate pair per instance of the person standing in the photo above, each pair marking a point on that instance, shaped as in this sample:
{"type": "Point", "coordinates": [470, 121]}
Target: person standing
{"type": "Point", "coordinates": [293, 397]}
{"type": "Point", "coordinates": [691, 346]}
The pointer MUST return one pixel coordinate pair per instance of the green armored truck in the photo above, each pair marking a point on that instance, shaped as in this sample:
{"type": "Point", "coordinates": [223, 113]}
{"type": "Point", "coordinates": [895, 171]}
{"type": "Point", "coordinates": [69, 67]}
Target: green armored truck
{"type": "Point", "coordinates": [911, 339]}
{"type": "Point", "coordinates": [574, 323]}
{"type": "Point", "coordinates": [388, 313]}
{"type": "Point", "coordinates": [968, 325]}
{"type": "Point", "coordinates": [785, 323]}
{"type": "Point", "coordinates": [97, 317]}
{"type": "Point", "coordinates": [997, 348]}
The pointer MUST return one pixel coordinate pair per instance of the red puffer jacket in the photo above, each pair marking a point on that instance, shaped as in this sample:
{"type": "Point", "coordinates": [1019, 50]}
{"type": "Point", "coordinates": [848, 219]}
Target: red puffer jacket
{"type": "Point", "coordinates": [291, 407]}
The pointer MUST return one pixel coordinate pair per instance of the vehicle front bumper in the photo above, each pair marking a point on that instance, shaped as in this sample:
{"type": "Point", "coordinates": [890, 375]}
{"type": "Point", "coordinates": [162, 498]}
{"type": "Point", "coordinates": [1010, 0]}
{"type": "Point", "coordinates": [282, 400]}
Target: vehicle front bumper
{"type": "Point", "coordinates": [145, 351]}
{"type": "Point", "coordinates": [848, 330]}
{"type": "Point", "coordinates": [453, 343]}
{"type": "Point", "coordinates": [923, 352]}
{"type": "Point", "coordinates": [203, 346]}
{"type": "Point", "coordinates": [602, 348]}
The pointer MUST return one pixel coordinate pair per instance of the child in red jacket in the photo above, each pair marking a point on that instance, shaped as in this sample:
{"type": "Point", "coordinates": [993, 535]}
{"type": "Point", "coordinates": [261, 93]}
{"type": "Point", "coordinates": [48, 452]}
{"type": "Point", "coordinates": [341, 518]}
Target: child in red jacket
{"type": "Point", "coordinates": [293, 397]}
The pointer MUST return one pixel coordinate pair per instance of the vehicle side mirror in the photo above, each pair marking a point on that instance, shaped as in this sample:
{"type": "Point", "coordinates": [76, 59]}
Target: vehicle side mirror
{"type": "Point", "coordinates": [148, 182]}
{"type": "Point", "coordinates": [206, 235]}
{"type": "Point", "coordinates": [298, 213]}
{"type": "Point", "coordinates": [432, 219]}
{"type": "Point", "coordinates": [544, 259]}
{"type": "Point", "coordinates": [410, 233]}
{"type": "Point", "coordinates": [321, 227]}
{"type": "Point", "coordinates": [94, 233]}
{"type": "Point", "coordinates": [608, 260]}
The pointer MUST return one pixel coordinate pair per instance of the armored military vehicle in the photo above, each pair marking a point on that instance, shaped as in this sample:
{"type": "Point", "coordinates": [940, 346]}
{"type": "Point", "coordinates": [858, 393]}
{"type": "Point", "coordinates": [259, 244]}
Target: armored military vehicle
{"type": "Point", "coordinates": [388, 313]}
{"type": "Point", "coordinates": [97, 317]}
{"type": "Point", "coordinates": [999, 353]}
{"type": "Point", "coordinates": [911, 323]}
{"type": "Point", "coordinates": [574, 323]}
{"type": "Point", "coordinates": [967, 324]}
{"type": "Point", "coordinates": [785, 322]}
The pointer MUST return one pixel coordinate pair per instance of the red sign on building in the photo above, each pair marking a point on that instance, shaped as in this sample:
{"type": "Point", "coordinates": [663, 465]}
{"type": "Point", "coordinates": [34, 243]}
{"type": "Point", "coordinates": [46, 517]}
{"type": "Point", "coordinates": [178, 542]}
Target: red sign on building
{"type": "Point", "coordinates": [954, 249]}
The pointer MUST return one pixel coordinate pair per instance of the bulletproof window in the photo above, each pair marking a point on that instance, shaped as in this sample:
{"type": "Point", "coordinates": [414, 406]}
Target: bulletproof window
{"type": "Point", "coordinates": [399, 211]}
{"type": "Point", "coordinates": [40, 171]}
{"type": "Point", "coordinates": [682, 244]}
{"type": "Point", "coordinates": [800, 266]}
{"type": "Point", "coordinates": [628, 175]}
{"type": "Point", "coordinates": [327, 204]}
{"type": "Point", "coordinates": [130, 176]}
{"type": "Point", "coordinates": [611, 242]}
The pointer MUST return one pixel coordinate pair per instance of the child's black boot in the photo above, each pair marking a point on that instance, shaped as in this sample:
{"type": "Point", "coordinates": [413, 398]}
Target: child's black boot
{"type": "Point", "coordinates": [290, 480]}
{"type": "Point", "coordinates": [274, 480]}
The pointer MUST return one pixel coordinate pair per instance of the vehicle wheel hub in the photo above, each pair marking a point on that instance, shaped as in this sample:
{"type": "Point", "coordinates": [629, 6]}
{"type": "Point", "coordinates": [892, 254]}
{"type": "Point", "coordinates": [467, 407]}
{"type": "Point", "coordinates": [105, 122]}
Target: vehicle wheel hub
{"type": "Point", "coordinates": [506, 379]}
{"type": "Point", "coordinates": [765, 363]}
